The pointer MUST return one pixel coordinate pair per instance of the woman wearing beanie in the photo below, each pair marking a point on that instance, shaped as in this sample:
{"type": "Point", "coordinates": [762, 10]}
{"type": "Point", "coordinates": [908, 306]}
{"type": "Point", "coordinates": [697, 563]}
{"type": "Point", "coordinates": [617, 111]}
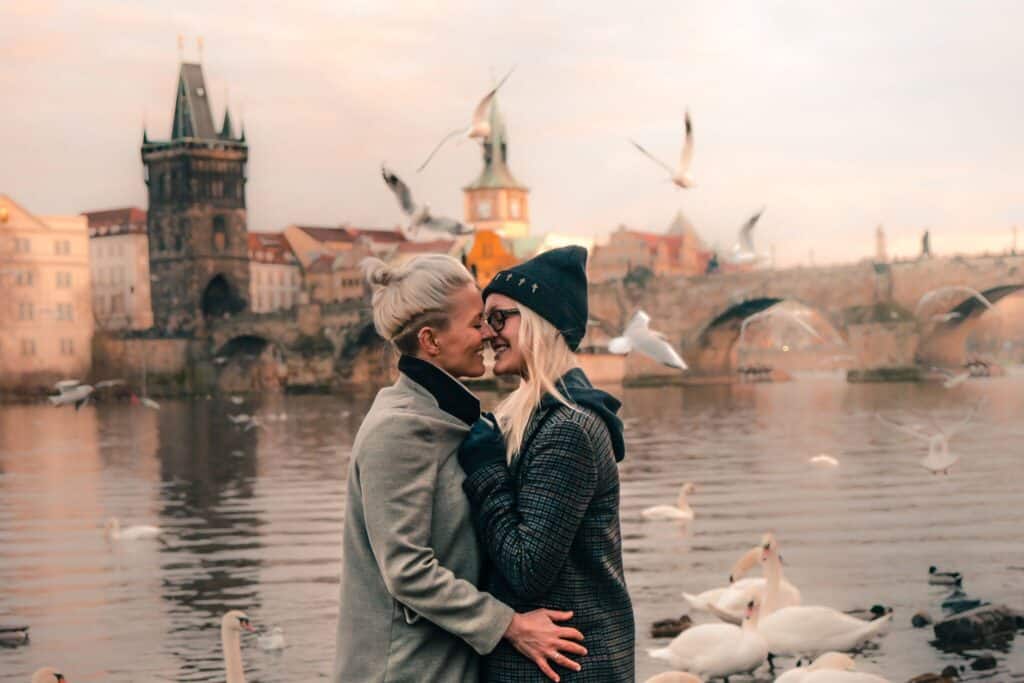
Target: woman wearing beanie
{"type": "Point", "coordinates": [542, 476]}
{"type": "Point", "coordinates": [410, 608]}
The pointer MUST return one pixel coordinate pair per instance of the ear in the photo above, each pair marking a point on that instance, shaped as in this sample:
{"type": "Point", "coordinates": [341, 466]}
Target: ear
{"type": "Point", "coordinates": [427, 339]}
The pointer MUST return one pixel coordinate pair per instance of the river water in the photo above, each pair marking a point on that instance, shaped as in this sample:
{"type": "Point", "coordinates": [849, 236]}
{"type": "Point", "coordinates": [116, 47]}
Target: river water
{"type": "Point", "coordinates": [254, 519]}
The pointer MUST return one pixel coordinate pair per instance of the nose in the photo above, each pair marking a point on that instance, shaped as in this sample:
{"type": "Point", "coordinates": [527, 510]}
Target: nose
{"type": "Point", "coordinates": [487, 332]}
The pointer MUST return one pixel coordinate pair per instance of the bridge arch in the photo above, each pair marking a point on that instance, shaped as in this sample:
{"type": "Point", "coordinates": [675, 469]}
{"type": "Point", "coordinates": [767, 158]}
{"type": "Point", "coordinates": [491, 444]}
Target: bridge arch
{"type": "Point", "coordinates": [717, 349]}
{"type": "Point", "coordinates": [220, 298]}
{"type": "Point", "coordinates": [948, 334]}
{"type": "Point", "coordinates": [251, 362]}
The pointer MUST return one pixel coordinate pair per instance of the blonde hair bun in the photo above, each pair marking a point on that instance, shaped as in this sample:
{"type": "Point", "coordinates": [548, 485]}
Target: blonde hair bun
{"type": "Point", "coordinates": [377, 273]}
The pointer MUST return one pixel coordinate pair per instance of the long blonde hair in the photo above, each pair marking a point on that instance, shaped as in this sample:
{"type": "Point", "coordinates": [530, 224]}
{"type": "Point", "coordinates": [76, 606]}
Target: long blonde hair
{"type": "Point", "coordinates": [410, 297]}
{"type": "Point", "coordinates": [546, 357]}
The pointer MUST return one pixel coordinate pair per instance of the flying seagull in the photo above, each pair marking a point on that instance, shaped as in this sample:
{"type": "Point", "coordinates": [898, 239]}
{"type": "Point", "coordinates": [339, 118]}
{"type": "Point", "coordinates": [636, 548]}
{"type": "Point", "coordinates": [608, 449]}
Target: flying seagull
{"type": "Point", "coordinates": [743, 251]}
{"type": "Point", "coordinates": [973, 293]}
{"type": "Point", "coordinates": [72, 392]}
{"type": "Point", "coordinates": [639, 337]}
{"type": "Point", "coordinates": [479, 128]}
{"type": "Point", "coordinates": [773, 311]}
{"type": "Point", "coordinates": [680, 175]}
{"type": "Point", "coordinates": [419, 215]}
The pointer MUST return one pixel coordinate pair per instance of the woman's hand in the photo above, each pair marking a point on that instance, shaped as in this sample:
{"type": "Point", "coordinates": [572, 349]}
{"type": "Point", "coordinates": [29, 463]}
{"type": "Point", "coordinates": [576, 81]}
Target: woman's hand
{"type": "Point", "coordinates": [538, 638]}
{"type": "Point", "coordinates": [484, 445]}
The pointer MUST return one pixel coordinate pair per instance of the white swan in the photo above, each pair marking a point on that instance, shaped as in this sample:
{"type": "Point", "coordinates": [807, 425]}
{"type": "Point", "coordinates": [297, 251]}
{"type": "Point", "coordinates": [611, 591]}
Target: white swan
{"type": "Point", "coordinates": [807, 630]}
{"type": "Point", "coordinates": [729, 603]}
{"type": "Point", "coordinates": [824, 459]}
{"type": "Point", "coordinates": [827, 676]}
{"type": "Point", "coordinates": [132, 533]}
{"type": "Point", "coordinates": [48, 675]}
{"type": "Point", "coordinates": [674, 677]}
{"type": "Point", "coordinates": [273, 640]}
{"type": "Point", "coordinates": [718, 650]}
{"type": "Point", "coordinates": [681, 510]}
{"type": "Point", "coordinates": [832, 661]}
{"type": "Point", "coordinates": [231, 627]}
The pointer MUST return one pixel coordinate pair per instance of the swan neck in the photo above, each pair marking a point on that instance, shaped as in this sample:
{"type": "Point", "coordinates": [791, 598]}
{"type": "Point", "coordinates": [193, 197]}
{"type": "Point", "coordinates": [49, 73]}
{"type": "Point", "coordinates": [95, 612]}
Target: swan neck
{"type": "Point", "coordinates": [772, 584]}
{"type": "Point", "coordinates": [681, 503]}
{"type": "Point", "coordinates": [232, 646]}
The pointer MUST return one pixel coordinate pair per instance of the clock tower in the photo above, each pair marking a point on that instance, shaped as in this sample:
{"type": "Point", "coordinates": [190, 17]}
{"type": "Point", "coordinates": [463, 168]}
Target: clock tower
{"type": "Point", "coordinates": [495, 200]}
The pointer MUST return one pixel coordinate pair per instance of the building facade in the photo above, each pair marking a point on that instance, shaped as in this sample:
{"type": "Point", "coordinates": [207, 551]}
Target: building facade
{"type": "Point", "coordinates": [677, 251]}
{"type": "Point", "coordinates": [46, 311]}
{"type": "Point", "coordinates": [119, 262]}
{"type": "Point", "coordinates": [309, 242]}
{"type": "Point", "coordinates": [198, 238]}
{"type": "Point", "coordinates": [487, 256]}
{"type": "Point", "coordinates": [275, 278]}
{"type": "Point", "coordinates": [496, 201]}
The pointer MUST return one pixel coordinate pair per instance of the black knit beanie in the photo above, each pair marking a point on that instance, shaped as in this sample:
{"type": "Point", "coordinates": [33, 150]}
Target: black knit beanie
{"type": "Point", "coordinates": [554, 286]}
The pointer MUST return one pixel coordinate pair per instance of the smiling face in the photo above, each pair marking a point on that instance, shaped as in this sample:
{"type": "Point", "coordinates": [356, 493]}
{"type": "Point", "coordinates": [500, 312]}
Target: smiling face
{"type": "Point", "coordinates": [508, 355]}
{"type": "Point", "coordinates": [458, 347]}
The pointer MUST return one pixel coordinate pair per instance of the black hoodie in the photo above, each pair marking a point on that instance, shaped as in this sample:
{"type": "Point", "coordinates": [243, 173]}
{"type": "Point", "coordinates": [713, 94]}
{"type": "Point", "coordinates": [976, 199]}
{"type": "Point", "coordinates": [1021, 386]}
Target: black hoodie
{"type": "Point", "coordinates": [578, 389]}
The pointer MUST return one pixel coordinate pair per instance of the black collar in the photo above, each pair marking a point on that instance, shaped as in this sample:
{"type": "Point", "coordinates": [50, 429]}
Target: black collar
{"type": "Point", "coordinates": [452, 396]}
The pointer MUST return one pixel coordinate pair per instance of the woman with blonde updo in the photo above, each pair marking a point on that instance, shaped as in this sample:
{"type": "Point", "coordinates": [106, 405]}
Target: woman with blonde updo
{"type": "Point", "coordinates": [410, 608]}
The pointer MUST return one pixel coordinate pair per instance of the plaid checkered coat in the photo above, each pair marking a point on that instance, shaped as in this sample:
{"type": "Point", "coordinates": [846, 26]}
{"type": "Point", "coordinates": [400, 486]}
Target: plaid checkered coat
{"type": "Point", "coordinates": [550, 525]}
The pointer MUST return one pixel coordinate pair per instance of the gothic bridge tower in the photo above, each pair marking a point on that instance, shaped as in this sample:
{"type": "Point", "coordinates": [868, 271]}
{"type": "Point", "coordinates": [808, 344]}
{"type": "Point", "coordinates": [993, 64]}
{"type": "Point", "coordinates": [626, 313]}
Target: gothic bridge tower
{"type": "Point", "coordinates": [198, 253]}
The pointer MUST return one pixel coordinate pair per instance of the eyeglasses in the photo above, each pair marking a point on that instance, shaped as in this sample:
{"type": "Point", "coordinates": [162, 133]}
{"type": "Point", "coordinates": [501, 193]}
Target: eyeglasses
{"type": "Point", "coordinates": [497, 317]}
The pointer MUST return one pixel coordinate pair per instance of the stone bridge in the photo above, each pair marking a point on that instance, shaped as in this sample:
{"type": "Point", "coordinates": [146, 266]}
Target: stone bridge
{"type": "Point", "coordinates": [880, 310]}
{"type": "Point", "coordinates": [313, 346]}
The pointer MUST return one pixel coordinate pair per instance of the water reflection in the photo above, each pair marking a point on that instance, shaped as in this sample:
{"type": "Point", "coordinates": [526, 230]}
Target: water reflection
{"type": "Point", "coordinates": [254, 519]}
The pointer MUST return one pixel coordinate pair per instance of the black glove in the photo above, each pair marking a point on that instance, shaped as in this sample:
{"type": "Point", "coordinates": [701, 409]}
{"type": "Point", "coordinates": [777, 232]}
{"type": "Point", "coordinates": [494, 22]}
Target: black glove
{"type": "Point", "coordinates": [484, 445]}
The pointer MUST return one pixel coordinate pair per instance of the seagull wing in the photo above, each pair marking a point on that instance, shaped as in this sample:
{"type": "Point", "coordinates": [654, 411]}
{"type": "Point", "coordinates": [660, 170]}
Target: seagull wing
{"type": "Point", "coordinates": [482, 110]}
{"type": "Point", "coordinates": [445, 139]}
{"type": "Point", "coordinates": [803, 323]}
{"type": "Point", "coordinates": [447, 225]}
{"type": "Point", "coordinates": [620, 346]}
{"type": "Point", "coordinates": [746, 232]}
{"type": "Point", "coordinates": [686, 157]}
{"type": "Point", "coordinates": [400, 190]}
{"type": "Point", "coordinates": [903, 428]}
{"type": "Point", "coordinates": [963, 423]}
{"type": "Point", "coordinates": [656, 346]}
{"type": "Point", "coordinates": [66, 385]}
{"type": "Point", "coordinates": [637, 324]}
{"type": "Point", "coordinates": [653, 158]}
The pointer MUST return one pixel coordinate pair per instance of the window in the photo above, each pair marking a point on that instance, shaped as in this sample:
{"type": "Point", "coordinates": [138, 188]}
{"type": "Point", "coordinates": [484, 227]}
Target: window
{"type": "Point", "coordinates": [22, 245]}
{"type": "Point", "coordinates": [116, 303]}
{"type": "Point", "coordinates": [513, 208]}
{"type": "Point", "coordinates": [63, 280]}
{"type": "Point", "coordinates": [23, 278]}
{"type": "Point", "coordinates": [67, 347]}
{"type": "Point", "coordinates": [26, 311]}
{"type": "Point", "coordinates": [483, 208]}
{"type": "Point", "coordinates": [28, 347]}
{"type": "Point", "coordinates": [64, 312]}
{"type": "Point", "coordinates": [62, 247]}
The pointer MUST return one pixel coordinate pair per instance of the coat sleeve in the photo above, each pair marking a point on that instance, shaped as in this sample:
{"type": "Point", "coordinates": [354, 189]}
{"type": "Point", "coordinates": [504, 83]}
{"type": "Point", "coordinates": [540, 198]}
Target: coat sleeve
{"type": "Point", "coordinates": [398, 476]}
{"type": "Point", "coordinates": [528, 537]}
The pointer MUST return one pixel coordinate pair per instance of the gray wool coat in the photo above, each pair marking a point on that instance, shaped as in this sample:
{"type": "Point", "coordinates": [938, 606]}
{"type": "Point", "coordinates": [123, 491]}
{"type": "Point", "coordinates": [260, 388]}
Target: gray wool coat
{"type": "Point", "coordinates": [410, 609]}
